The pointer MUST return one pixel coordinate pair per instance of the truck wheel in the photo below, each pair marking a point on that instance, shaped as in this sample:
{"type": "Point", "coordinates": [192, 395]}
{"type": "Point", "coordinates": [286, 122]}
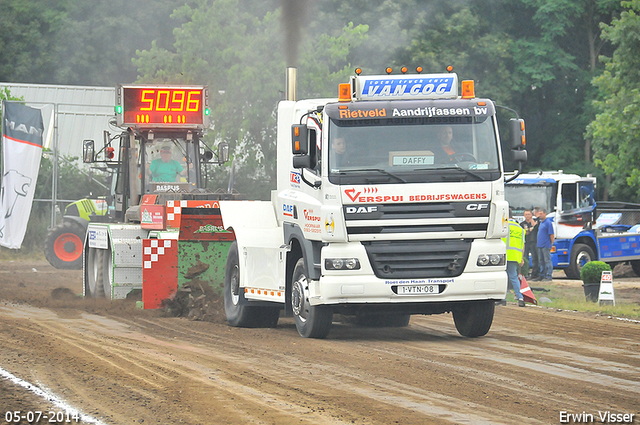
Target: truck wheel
{"type": "Point", "coordinates": [474, 319]}
{"type": "Point", "coordinates": [383, 320]}
{"type": "Point", "coordinates": [95, 273]}
{"type": "Point", "coordinates": [238, 313]}
{"type": "Point", "coordinates": [581, 254]}
{"type": "Point", "coordinates": [311, 321]}
{"type": "Point", "coordinates": [63, 246]}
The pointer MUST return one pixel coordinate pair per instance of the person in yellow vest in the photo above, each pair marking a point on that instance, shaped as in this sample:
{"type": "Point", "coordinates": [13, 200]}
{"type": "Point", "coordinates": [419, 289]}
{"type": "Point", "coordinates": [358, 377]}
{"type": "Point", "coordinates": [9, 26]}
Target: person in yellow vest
{"type": "Point", "coordinates": [515, 248]}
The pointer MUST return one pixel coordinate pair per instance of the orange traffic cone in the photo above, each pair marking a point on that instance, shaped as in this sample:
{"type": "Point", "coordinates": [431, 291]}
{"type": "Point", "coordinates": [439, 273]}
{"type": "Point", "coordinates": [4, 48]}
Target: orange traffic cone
{"type": "Point", "coordinates": [526, 292]}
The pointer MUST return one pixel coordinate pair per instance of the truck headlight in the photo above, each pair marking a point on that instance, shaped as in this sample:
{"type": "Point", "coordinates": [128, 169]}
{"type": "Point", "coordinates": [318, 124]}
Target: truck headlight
{"type": "Point", "coordinates": [341, 264]}
{"type": "Point", "coordinates": [491, 260]}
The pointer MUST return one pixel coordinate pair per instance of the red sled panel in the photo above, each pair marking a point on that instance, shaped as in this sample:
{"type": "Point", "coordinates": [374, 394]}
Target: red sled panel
{"type": "Point", "coordinates": [159, 271]}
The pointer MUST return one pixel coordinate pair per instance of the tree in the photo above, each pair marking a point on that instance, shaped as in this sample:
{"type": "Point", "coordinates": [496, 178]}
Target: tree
{"type": "Point", "coordinates": [534, 56]}
{"type": "Point", "coordinates": [235, 52]}
{"type": "Point", "coordinates": [616, 128]}
{"type": "Point", "coordinates": [27, 39]}
{"type": "Point", "coordinates": [86, 42]}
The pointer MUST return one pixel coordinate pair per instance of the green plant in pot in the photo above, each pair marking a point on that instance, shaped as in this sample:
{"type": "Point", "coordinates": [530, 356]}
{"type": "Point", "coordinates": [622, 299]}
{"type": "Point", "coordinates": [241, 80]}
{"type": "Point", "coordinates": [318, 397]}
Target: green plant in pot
{"type": "Point", "coordinates": [590, 274]}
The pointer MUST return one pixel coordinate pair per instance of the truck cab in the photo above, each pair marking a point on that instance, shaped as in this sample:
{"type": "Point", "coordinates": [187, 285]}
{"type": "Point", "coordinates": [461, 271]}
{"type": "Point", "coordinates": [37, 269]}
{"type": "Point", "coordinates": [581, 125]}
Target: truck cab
{"type": "Point", "coordinates": [570, 202]}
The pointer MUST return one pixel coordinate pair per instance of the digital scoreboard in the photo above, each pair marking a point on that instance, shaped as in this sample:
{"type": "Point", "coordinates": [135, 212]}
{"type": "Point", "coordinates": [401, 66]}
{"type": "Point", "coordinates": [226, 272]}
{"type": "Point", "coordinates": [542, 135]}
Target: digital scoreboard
{"type": "Point", "coordinates": [162, 106]}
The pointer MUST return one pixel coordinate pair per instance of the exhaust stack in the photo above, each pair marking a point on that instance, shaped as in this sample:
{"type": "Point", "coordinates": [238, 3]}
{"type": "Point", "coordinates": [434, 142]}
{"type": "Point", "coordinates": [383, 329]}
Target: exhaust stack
{"type": "Point", "coordinates": [291, 84]}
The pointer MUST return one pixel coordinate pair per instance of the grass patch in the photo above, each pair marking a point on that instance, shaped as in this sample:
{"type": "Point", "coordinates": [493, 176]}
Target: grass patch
{"type": "Point", "coordinates": [572, 298]}
{"type": "Point", "coordinates": [24, 254]}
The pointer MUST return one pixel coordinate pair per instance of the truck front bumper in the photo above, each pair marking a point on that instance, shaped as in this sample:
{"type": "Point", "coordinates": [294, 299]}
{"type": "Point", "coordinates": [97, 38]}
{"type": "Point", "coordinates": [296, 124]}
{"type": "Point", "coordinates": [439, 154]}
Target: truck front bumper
{"type": "Point", "coordinates": [363, 286]}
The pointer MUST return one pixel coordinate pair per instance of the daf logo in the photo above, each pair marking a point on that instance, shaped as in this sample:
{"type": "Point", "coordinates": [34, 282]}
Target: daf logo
{"type": "Point", "coordinates": [361, 210]}
{"type": "Point", "coordinates": [477, 207]}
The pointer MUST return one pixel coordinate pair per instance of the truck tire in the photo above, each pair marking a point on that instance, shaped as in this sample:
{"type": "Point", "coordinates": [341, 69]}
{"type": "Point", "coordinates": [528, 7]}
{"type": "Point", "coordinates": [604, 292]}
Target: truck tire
{"type": "Point", "coordinates": [383, 320]}
{"type": "Point", "coordinates": [474, 319]}
{"type": "Point", "coordinates": [63, 246]}
{"type": "Point", "coordinates": [95, 273]}
{"type": "Point", "coordinates": [311, 321]}
{"type": "Point", "coordinates": [581, 254]}
{"type": "Point", "coordinates": [238, 313]}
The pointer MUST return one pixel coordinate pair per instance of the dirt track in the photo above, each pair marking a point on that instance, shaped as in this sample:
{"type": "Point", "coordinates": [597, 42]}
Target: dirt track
{"type": "Point", "coordinates": [124, 366]}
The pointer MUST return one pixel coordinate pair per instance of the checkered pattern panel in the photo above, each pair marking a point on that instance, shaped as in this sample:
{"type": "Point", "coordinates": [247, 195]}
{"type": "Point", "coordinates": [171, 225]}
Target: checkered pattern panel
{"type": "Point", "coordinates": [154, 251]}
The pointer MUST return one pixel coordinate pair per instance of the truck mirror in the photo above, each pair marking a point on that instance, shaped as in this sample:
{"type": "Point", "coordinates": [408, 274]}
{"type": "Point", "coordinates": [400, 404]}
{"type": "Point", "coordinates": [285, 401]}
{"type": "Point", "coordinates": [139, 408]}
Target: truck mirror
{"type": "Point", "coordinates": [519, 156]}
{"type": "Point", "coordinates": [299, 139]}
{"type": "Point", "coordinates": [518, 139]}
{"type": "Point", "coordinates": [88, 151]}
{"type": "Point", "coordinates": [223, 152]}
{"type": "Point", "coordinates": [302, 161]}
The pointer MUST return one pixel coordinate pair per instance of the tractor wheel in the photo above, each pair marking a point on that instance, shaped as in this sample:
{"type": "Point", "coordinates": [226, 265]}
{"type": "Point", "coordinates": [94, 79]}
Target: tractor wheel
{"type": "Point", "coordinates": [96, 273]}
{"type": "Point", "coordinates": [311, 321]}
{"type": "Point", "coordinates": [474, 319]}
{"type": "Point", "coordinates": [63, 246]}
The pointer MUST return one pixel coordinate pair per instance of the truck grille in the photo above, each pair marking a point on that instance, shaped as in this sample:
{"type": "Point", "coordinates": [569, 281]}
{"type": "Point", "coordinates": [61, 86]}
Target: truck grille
{"type": "Point", "coordinates": [418, 259]}
{"type": "Point", "coordinates": [427, 219]}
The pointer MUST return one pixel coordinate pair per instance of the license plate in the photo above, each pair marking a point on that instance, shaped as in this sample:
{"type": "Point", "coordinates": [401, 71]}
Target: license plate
{"type": "Point", "coordinates": [417, 289]}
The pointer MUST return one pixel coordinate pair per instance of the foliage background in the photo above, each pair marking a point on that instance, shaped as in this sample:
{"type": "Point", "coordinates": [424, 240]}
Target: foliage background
{"type": "Point", "coordinates": [570, 68]}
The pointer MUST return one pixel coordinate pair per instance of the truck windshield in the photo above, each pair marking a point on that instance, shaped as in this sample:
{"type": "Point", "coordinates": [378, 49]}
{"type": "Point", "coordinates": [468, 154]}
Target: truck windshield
{"type": "Point", "coordinates": [525, 197]}
{"type": "Point", "coordinates": [412, 150]}
{"type": "Point", "coordinates": [169, 160]}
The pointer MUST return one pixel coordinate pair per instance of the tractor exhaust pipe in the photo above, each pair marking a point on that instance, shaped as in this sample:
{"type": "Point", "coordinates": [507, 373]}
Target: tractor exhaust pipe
{"type": "Point", "coordinates": [291, 83]}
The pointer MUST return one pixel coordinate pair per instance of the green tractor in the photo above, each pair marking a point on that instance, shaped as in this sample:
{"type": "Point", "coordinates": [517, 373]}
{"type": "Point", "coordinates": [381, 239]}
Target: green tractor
{"type": "Point", "coordinates": [63, 244]}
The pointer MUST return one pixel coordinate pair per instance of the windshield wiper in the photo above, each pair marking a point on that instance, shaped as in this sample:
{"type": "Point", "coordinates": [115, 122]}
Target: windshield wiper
{"type": "Point", "coordinates": [379, 170]}
{"type": "Point", "coordinates": [457, 168]}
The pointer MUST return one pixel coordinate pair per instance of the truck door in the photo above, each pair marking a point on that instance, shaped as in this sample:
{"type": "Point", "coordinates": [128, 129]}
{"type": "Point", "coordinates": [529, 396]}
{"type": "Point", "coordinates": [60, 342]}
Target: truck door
{"type": "Point", "coordinates": [576, 201]}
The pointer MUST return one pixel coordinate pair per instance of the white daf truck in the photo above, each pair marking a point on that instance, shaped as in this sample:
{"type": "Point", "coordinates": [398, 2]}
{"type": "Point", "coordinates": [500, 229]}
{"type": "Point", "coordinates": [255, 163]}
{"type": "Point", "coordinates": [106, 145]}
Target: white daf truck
{"type": "Point", "coordinates": [408, 220]}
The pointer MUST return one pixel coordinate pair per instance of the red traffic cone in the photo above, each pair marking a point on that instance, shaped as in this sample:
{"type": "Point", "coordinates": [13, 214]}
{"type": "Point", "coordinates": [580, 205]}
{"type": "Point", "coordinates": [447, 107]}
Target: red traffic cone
{"type": "Point", "coordinates": [526, 292]}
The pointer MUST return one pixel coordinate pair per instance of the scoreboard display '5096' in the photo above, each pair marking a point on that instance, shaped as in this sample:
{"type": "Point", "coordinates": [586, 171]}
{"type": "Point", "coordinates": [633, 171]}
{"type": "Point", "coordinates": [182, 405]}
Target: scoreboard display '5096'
{"type": "Point", "coordinates": [162, 106]}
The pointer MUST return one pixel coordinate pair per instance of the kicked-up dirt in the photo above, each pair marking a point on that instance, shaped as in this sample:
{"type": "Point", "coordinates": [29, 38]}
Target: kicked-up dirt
{"type": "Point", "coordinates": [120, 365]}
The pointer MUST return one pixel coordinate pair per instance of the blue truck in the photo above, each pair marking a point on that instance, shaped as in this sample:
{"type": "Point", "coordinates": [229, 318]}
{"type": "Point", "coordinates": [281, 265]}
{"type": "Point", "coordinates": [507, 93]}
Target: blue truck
{"type": "Point", "coordinates": [585, 230]}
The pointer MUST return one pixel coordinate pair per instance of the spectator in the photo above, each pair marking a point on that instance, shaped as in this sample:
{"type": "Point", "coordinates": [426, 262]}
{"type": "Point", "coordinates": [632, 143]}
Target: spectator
{"type": "Point", "coordinates": [530, 244]}
{"type": "Point", "coordinates": [515, 242]}
{"type": "Point", "coordinates": [546, 237]}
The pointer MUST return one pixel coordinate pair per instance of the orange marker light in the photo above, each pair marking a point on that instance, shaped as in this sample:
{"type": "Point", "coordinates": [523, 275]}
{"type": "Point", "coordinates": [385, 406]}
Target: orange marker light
{"type": "Point", "coordinates": [468, 90]}
{"type": "Point", "coordinates": [296, 131]}
{"type": "Point", "coordinates": [449, 68]}
{"type": "Point", "coordinates": [389, 70]}
{"type": "Point", "coordinates": [344, 92]}
{"type": "Point", "coordinates": [358, 71]}
{"type": "Point", "coordinates": [419, 69]}
{"type": "Point", "coordinates": [403, 69]}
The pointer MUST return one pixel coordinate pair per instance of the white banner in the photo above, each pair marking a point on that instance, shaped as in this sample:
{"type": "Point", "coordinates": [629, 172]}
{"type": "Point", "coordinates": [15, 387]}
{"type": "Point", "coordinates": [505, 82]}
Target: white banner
{"type": "Point", "coordinates": [22, 129]}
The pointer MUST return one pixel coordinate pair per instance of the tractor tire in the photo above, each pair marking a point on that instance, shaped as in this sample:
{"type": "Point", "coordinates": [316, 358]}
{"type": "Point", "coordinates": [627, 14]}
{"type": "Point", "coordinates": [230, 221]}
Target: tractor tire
{"type": "Point", "coordinates": [63, 246]}
{"type": "Point", "coordinates": [96, 273]}
{"type": "Point", "coordinates": [474, 319]}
